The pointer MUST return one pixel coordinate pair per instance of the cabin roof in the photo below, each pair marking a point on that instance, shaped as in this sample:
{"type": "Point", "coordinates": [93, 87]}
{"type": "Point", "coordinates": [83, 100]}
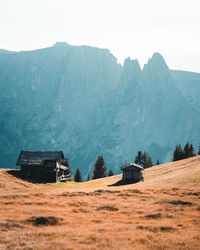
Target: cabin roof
{"type": "Point", "coordinates": [38, 157]}
{"type": "Point", "coordinates": [130, 165]}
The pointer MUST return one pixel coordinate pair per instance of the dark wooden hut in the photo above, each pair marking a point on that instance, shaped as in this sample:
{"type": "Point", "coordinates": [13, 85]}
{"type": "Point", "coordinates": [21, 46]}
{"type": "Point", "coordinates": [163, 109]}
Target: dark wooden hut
{"type": "Point", "coordinates": [132, 172]}
{"type": "Point", "coordinates": [43, 165]}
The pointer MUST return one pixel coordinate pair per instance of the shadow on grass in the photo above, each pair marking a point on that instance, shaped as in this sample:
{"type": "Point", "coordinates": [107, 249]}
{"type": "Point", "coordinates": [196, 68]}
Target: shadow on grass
{"type": "Point", "coordinates": [18, 174]}
{"type": "Point", "coordinates": [122, 183]}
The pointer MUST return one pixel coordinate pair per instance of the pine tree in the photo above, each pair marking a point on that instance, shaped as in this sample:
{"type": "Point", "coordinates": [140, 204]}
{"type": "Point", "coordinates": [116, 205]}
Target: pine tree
{"type": "Point", "coordinates": [110, 173]}
{"type": "Point", "coordinates": [186, 150]}
{"type": "Point", "coordinates": [139, 158]}
{"type": "Point", "coordinates": [77, 176]}
{"type": "Point", "coordinates": [192, 151]}
{"type": "Point", "coordinates": [88, 178]}
{"type": "Point", "coordinates": [147, 162]}
{"type": "Point", "coordinates": [189, 150]}
{"type": "Point", "coordinates": [157, 163]}
{"type": "Point", "coordinates": [178, 154]}
{"type": "Point", "coordinates": [143, 159]}
{"type": "Point", "coordinates": [99, 170]}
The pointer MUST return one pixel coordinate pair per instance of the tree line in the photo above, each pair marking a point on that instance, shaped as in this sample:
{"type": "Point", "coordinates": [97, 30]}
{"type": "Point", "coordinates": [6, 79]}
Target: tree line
{"type": "Point", "coordinates": [186, 152]}
{"type": "Point", "coordinates": [99, 171]}
{"type": "Point", "coordinates": [141, 158]}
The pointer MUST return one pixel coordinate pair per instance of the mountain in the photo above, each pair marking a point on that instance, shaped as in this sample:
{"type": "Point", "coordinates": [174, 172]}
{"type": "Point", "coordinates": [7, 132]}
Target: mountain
{"type": "Point", "coordinates": [153, 114]}
{"type": "Point", "coordinates": [80, 100]}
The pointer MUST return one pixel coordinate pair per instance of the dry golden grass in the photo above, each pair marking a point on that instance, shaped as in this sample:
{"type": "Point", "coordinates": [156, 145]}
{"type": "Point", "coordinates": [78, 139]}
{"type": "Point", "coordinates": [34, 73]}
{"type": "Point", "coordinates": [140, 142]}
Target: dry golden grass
{"type": "Point", "coordinates": [163, 212]}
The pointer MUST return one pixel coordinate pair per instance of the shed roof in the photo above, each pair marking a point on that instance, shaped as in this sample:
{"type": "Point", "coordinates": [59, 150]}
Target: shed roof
{"type": "Point", "coordinates": [37, 157]}
{"type": "Point", "coordinates": [131, 164]}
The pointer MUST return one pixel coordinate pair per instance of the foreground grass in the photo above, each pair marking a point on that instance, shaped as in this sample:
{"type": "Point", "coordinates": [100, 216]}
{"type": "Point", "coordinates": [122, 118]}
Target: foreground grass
{"type": "Point", "coordinates": [163, 212]}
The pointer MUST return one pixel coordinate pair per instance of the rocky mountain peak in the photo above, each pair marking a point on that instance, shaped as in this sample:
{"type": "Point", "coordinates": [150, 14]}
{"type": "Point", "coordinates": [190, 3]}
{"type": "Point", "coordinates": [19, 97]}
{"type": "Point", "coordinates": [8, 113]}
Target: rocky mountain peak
{"type": "Point", "coordinates": [156, 68]}
{"type": "Point", "coordinates": [130, 75]}
{"type": "Point", "coordinates": [156, 63]}
{"type": "Point", "coordinates": [131, 65]}
{"type": "Point", "coordinates": [157, 59]}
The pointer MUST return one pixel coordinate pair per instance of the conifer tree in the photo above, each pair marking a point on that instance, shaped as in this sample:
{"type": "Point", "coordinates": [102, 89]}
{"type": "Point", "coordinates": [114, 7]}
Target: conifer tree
{"type": "Point", "coordinates": [143, 159]}
{"type": "Point", "coordinates": [139, 158]}
{"type": "Point", "coordinates": [110, 173]}
{"type": "Point", "coordinates": [189, 150]}
{"type": "Point", "coordinates": [186, 150]}
{"type": "Point", "coordinates": [99, 170]}
{"type": "Point", "coordinates": [192, 151]}
{"type": "Point", "coordinates": [147, 161]}
{"type": "Point", "coordinates": [178, 153]}
{"type": "Point", "coordinates": [77, 176]}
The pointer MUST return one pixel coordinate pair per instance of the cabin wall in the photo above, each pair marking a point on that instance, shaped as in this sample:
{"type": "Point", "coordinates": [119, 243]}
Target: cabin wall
{"type": "Point", "coordinates": [49, 163]}
{"type": "Point", "coordinates": [39, 173]}
{"type": "Point", "coordinates": [131, 175]}
{"type": "Point", "coordinates": [51, 171]}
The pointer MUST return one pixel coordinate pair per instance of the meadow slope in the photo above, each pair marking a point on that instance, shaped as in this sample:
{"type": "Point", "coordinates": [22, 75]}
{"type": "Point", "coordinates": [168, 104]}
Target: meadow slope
{"type": "Point", "coordinates": [163, 212]}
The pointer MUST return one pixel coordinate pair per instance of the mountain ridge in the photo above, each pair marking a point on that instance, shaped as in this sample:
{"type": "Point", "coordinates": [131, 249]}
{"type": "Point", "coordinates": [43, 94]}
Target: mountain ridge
{"type": "Point", "coordinates": [80, 100]}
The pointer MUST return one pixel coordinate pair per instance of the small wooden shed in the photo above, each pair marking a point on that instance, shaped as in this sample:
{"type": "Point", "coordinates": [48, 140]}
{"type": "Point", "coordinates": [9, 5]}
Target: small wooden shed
{"type": "Point", "coordinates": [132, 172]}
{"type": "Point", "coordinates": [43, 165]}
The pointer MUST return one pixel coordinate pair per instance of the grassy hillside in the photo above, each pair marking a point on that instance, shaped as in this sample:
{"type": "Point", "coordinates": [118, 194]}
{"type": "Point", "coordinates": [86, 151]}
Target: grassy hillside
{"type": "Point", "coordinates": [163, 212]}
{"type": "Point", "coordinates": [181, 173]}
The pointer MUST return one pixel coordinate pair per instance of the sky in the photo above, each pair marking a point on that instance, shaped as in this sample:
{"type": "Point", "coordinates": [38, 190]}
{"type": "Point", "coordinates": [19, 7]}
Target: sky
{"type": "Point", "coordinates": [128, 28]}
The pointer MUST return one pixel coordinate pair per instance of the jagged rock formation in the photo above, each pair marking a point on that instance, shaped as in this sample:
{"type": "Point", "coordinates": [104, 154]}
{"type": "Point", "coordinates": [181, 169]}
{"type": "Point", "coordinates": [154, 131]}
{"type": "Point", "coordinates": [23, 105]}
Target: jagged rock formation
{"type": "Point", "coordinates": [80, 100]}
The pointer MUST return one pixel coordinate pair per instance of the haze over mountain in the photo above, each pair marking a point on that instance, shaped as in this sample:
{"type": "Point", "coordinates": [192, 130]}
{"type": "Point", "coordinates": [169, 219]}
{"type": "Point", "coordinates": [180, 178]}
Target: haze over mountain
{"type": "Point", "coordinates": [80, 100]}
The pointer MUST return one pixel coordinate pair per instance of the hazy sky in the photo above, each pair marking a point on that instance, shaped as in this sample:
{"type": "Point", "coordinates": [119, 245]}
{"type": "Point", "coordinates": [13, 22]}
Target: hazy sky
{"type": "Point", "coordinates": [126, 27]}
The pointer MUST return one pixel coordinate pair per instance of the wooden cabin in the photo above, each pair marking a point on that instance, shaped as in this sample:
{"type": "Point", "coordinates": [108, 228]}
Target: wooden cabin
{"type": "Point", "coordinates": [132, 172]}
{"type": "Point", "coordinates": [43, 165]}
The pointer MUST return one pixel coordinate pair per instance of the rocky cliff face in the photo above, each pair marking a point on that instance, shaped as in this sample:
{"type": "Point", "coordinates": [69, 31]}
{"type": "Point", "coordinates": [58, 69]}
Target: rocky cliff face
{"type": "Point", "coordinates": [79, 100]}
{"type": "Point", "coordinates": [156, 116]}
